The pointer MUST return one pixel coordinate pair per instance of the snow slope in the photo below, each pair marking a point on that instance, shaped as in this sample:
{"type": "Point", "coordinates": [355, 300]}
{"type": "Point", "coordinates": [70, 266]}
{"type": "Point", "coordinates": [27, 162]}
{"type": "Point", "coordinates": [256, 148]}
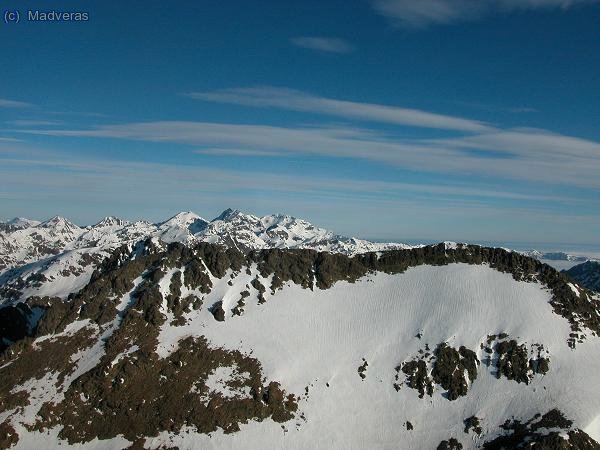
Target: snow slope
{"type": "Point", "coordinates": [318, 339]}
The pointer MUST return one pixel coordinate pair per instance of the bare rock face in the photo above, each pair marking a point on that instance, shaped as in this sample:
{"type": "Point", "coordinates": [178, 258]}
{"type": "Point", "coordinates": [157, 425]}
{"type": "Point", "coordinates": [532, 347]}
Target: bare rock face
{"type": "Point", "coordinates": [451, 369]}
{"type": "Point", "coordinates": [218, 312]}
{"type": "Point", "coordinates": [473, 423]}
{"type": "Point", "coordinates": [549, 431]}
{"type": "Point", "coordinates": [515, 362]}
{"type": "Point", "coordinates": [450, 444]}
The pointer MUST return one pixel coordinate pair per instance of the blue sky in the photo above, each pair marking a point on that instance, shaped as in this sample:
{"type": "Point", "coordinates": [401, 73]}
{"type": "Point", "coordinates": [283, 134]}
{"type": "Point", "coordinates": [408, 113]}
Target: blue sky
{"type": "Point", "coordinates": [386, 119]}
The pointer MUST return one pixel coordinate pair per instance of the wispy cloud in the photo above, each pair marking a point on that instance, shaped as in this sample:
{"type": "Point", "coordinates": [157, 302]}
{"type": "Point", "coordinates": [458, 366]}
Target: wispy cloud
{"type": "Point", "coordinates": [34, 123]}
{"type": "Point", "coordinates": [525, 154]}
{"type": "Point", "coordinates": [300, 101]}
{"type": "Point", "coordinates": [76, 113]}
{"type": "Point", "coordinates": [496, 108]}
{"type": "Point", "coordinates": [99, 187]}
{"type": "Point", "coordinates": [520, 109]}
{"type": "Point", "coordinates": [324, 44]}
{"type": "Point", "coordinates": [236, 152]}
{"type": "Point", "coordinates": [172, 177]}
{"type": "Point", "coordinates": [422, 13]}
{"type": "Point", "coordinates": [4, 103]}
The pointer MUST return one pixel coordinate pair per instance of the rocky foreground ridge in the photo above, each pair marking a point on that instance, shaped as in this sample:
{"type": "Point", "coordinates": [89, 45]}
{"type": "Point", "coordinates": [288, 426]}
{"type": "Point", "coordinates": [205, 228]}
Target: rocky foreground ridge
{"type": "Point", "coordinates": [90, 366]}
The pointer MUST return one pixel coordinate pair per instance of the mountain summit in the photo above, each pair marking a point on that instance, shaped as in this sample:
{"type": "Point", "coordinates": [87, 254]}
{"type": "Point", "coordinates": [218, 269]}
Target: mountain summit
{"type": "Point", "coordinates": [228, 214]}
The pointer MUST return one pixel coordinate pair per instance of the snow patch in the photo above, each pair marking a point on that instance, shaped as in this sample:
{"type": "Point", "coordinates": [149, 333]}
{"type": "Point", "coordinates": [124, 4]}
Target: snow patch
{"type": "Point", "coordinates": [222, 380]}
{"type": "Point", "coordinates": [574, 289]}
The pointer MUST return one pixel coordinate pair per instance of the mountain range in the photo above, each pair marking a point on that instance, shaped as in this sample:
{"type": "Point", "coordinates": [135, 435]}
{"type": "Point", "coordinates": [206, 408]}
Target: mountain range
{"type": "Point", "coordinates": [254, 332]}
{"type": "Point", "coordinates": [24, 240]}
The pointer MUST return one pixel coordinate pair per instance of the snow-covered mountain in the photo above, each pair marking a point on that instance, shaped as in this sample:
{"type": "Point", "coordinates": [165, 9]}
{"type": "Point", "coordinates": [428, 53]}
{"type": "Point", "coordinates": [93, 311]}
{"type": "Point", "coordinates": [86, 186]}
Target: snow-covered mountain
{"type": "Point", "coordinates": [24, 241]}
{"type": "Point", "coordinates": [248, 232]}
{"type": "Point", "coordinates": [158, 336]}
{"type": "Point", "coordinates": [558, 259]}
{"type": "Point", "coordinates": [57, 257]}
{"type": "Point", "coordinates": [554, 256]}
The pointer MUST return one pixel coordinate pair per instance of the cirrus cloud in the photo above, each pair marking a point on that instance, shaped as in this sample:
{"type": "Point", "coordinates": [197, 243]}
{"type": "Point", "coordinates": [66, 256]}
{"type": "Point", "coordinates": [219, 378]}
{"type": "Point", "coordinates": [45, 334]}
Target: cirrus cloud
{"type": "Point", "coordinates": [323, 44]}
{"type": "Point", "coordinates": [524, 154]}
{"type": "Point", "coordinates": [4, 103]}
{"type": "Point", "coordinates": [422, 13]}
{"type": "Point", "coordinates": [291, 99]}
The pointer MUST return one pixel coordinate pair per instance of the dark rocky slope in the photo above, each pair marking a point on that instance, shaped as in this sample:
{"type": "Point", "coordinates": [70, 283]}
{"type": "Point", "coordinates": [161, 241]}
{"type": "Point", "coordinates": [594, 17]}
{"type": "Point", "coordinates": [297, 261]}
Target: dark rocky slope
{"type": "Point", "coordinates": [586, 274]}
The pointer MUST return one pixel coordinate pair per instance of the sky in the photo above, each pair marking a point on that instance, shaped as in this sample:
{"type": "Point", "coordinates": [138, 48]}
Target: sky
{"type": "Point", "coordinates": [463, 120]}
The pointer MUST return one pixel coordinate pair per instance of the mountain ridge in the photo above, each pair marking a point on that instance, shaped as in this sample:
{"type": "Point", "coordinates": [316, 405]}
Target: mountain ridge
{"type": "Point", "coordinates": [35, 240]}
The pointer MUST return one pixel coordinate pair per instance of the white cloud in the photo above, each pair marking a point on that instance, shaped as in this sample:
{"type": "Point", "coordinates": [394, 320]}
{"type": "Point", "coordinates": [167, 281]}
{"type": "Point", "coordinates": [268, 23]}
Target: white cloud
{"type": "Point", "coordinates": [34, 123]}
{"type": "Point", "coordinates": [95, 176]}
{"type": "Point", "coordinates": [300, 101]}
{"type": "Point", "coordinates": [323, 44]}
{"type": "Point", "coordinates": [430, 12]}
{"type": "Point", "coordinates": [4, 103]}
{"type": "Point", "coordinates": [524, 154]}
{"type": "Point", "coordinates": [236, 152]}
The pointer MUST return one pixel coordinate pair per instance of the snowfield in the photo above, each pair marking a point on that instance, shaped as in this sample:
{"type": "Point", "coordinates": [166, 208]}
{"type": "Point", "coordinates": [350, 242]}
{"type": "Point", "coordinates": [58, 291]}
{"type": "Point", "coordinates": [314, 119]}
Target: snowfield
{"type": "Point", "coordinates": [317, 339]}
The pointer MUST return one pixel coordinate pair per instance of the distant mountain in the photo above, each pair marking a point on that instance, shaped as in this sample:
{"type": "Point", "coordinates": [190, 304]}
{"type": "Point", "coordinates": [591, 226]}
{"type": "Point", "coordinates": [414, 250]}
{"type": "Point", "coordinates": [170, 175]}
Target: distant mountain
{"type": "Point", "coordinates": [31, 241]}
{"type": "Point", "coordinates": [20, 222]}
{"type": "Point", "coordinates": [25, 241]}
{"type": "Point", "coordinates": [248, 232]}
{"type": "Point", "coordinates": [554, 256]}
{"type": "Point", "coordinates": [586, 274]}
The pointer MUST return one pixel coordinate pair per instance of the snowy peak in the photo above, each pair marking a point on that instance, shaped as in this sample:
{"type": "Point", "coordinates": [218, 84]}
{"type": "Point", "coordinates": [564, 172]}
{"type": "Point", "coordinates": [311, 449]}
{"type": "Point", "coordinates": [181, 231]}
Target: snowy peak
{"type": "Point", "coordinates": [232, 228]}
{"type": "Point", "coordinates": [554, 256]}
{"type": "Point", "coordinates": [249, 232]}
{"type": "Point", "coordinates": [228, 215]}
{"type": "Point", "coordinates": [182, 219]}
{"type": "Point", "coordinates": [111, 221]}
{"type": "Point", "coordinates": [22, 222]}
{"type": "Point", "coordinates": [53, 222]}
{"type": "Point", "coordinates": [60, 225]}
{"type": "Point", "coordinates": [181, 227]}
